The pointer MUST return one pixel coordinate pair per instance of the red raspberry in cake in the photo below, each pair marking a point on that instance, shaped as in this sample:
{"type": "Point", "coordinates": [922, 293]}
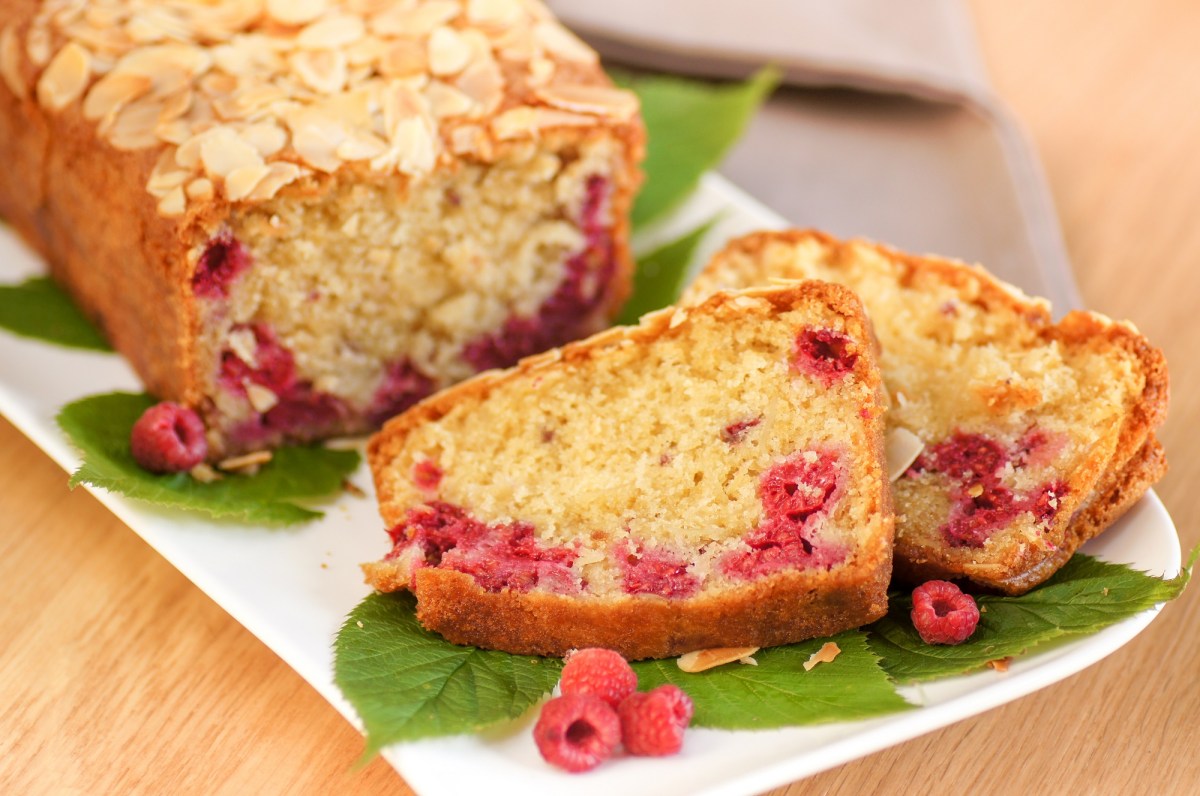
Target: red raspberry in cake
{"type": "Point", "coordinates": [577, 732]}
{"type": "Point", "coordinates": [943, 614]}
{"type": "Point", "coordinates": [223, 260]}
{"type": "Point", "coordinates": [800, 486]}
{"type": "Point", "coordinates": [402, 386]}
{"type": "Point", "coordinates": [736, 432]}
{"type": "Point", "coordinates": [168, 438]}
{"type": "Point", "coordinates": [600, 673]}
{"type": "Point", "coordinates": [824, 354]}
{"type": "Point", "coordinates": [652, 723]}
{"type": "Point", "coordinates": [656, 570]}
{"type": "Point", "coordinates": [427, 475]}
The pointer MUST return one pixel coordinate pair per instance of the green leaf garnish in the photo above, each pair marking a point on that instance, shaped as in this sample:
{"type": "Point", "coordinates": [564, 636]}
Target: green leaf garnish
{"type": "Point", "coordinates": [408, 683]}
{"type": "Point", "coordinates": [690, 125]}
{"type": "Point", "coordinates": [661, 274]}
{"type": "Point", "coordinates": [778, 692]}
{"type": "Point", "coordinates": [1085, 596]}
{"type": "Point", "coordinates": [39, 309]}
{"type": "Point", "coordinates": [99, 426]}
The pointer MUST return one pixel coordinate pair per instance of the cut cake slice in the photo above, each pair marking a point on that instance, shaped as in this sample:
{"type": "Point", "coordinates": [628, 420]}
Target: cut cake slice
{"type": "Point", "coordinates": [713, 477]}
{"type": "Point", "coordinates": [1036, 435]}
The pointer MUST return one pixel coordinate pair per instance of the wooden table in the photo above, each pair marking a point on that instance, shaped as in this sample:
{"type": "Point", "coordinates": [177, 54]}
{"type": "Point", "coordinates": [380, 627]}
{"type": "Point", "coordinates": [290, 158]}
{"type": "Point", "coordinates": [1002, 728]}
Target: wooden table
{"type": "Point", "coordinates": [117, 675]}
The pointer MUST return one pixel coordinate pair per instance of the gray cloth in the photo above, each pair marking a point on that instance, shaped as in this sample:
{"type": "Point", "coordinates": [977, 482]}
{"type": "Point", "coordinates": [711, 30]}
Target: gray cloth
{"type": "Point", "coordinates": [887, 129]}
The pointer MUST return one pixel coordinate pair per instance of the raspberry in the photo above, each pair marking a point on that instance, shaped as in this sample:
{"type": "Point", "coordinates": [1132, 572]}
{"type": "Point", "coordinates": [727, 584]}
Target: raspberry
{"type": "Point", "coordinates": [652, 723]}
{"type": "Point", "coordinates": [577, 732]}
{"type": "Point", "coordinates": [824, 354]}
{"type": "Point", "coordinates": [223, 260]}
{"type": "Point", "coordinates": [942, 614]}
{"type": "Point", "coordinates": [598, 672]}
{"type": "Point", "coordinates": [168, 438]}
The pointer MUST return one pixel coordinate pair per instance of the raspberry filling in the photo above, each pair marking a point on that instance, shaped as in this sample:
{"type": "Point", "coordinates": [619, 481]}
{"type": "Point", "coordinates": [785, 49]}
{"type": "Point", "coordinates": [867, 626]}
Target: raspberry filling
{"type": "Point", "coordinates": [403, 385]}
{"type": "Point", "coordinates": [498, 556]}
{"type": "Point", "coordinates": [299, 408]}
{"type": "Point", "coordinates": [824, 354]}
{"type": "Point", "coordinates": [735, 432]}
{"type": "Point", "coordinates": [795, 493]}
{"type": "Point", "coordinates": [980, 505]}
{"type": "Point", "coordinates": [655, 570]}
{"type": "Point", "coordinates": [427, 475]}
{"type": "Point", "coordinates": [223, 260]}
{"type": "Point", "coordinates": [568, 313]}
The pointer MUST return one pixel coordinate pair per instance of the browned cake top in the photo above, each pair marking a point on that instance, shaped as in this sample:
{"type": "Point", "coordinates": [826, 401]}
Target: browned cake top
{"type": "Point", "coordinates": [247, 96]}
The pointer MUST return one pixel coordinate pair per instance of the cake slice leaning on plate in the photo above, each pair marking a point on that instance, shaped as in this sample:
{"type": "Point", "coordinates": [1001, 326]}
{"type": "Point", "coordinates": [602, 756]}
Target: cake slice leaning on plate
{"type": "Point", "coordinates": [1036, 435]}
{"type": "Point", "coordinates": [713, 477]}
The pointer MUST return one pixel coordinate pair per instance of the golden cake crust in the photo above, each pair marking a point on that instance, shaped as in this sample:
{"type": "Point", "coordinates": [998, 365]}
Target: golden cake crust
{"type": "Point", "coordinates": [780, 608]}
{"type": "Point", "coordinates": [1102, 487]}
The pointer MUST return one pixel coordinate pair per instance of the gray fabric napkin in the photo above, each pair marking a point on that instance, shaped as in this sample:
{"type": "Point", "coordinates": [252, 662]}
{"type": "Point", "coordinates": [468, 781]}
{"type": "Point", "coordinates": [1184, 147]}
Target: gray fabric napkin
{"type": "Point", "coordinates": [887, 129]}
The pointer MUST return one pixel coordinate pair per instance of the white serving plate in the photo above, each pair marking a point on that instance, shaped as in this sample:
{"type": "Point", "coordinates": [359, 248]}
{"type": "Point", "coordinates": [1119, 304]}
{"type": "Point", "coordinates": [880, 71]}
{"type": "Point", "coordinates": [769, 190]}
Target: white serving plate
{"type": "Point", "coordinates": [293, 587]}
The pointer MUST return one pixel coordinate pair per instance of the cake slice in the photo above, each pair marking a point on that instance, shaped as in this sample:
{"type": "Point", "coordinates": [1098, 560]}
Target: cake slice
{"type": "Point", "coordinates": [300, 218]}
{"type": "Point", "coordinates": [1036, 435]}
{"type": "Point", "coordinates": [713, 477]}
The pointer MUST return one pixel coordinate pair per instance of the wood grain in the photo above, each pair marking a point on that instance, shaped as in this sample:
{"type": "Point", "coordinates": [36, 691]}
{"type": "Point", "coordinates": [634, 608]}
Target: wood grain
{"type": "Point", "coordinates": [118, 676]}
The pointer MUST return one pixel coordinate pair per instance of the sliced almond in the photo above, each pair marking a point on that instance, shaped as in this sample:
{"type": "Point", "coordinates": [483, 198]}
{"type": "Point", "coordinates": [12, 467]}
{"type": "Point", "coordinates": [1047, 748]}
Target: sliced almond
{"type": "Point", "coordinates": [10, 62]}
{"type": "Point", "coordinates": [239, 183]}
{"type": "Point", "coordinates": [278, 175]}
{"type": "Point", "coordinates": [223, 152]}
{"type": "Point", "coordinates": [267, 137]}
{"type": "Point", "coordinates": [174, 204]}
{"type": "Point", "coordinates": [1000, 664]}
{"type": "Point", "coordinates": [449, 53]}
{"type": "Point", "coordinates": [526, 121]}
{"type": "Point", "coordinates": [135, 126]}
{"type": "Point", "coordinates": [200, 189]}
{"type": "Point", "coordinates": [903, 448]}
{"type": "Point", "coordinates": [483, 82]}
{"type": "Point", "coordinates": [601, 100]}
{"type": "Point", "coordinates": [296, 12]}
{"type": "Point", "coordinates": [701, 660]}
{"type": "Point", "coordinates": [403, 58]}
{"type": "Point", "coordinates": [112, 93]}
{"type": "Point", "coordinates": [495, 13]}
{"type": "Point", "coordinates": [65, 78]}
{"type": "Point", "coordinates": [204, 473]}
{"type": "Point", "coordinates": [829, 650]}
{"type": "Point", "coordinates": [560, 41]}
{"type": "Point", "coordinates": [446, 101]}
{"type": "Point", "coordinates": [415, 146]}
{"type": "Point", "coordinates": [415, 22]}
{"type": "Point", "coordinates": [247, 461]}
{"type": "Point", "coordinates": [262, 399]}
{"type": "Point", "coordinates": [38, 45]}
{"type": "Point", "coordinates": [324, 71]}
{"type": "Point", "coordinates": [332, 31]}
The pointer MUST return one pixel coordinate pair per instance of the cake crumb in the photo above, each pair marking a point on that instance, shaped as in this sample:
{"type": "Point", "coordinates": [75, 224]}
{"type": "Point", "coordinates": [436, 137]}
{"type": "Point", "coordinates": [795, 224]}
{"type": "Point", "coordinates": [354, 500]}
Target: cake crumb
{"type": "Point", "coordinates": [826, 654]}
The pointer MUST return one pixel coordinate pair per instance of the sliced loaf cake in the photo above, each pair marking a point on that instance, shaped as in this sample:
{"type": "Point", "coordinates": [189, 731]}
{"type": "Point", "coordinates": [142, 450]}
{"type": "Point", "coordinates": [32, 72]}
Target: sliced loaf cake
{"type": "Point", "coordinates": [1037, 435]}
{"type": "Point", "coordinates": [713, 477]}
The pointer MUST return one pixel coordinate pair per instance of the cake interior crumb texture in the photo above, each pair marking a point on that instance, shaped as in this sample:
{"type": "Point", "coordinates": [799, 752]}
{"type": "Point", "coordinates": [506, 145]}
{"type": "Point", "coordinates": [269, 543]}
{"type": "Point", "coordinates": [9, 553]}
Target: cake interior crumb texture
{"type": "Point", "coordinates": [1028, 426]}
{"type": "Point", "coordinates": [696, 458]}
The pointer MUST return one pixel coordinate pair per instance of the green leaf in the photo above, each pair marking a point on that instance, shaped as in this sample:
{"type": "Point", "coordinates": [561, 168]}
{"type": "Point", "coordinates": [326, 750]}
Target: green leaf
{"type": "Point", "coordinates": [778, 692]}
{"type": "Point", "coordinates": [1085, 596]}
{"type": "Point", "coordinates": [407, 683]}
{"type": "Point", "coordinates": [38, 308]}
{"type": "Point", "coordinates": [661, 275]}
{"type": "Point", "coordinates": [690, 125]}
{"type": "Point", "coordinates": [99, 426]}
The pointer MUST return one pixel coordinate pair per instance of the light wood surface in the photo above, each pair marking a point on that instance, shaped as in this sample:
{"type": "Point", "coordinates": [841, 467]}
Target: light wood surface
{"type": "Point", "coordinates": [119, 676]}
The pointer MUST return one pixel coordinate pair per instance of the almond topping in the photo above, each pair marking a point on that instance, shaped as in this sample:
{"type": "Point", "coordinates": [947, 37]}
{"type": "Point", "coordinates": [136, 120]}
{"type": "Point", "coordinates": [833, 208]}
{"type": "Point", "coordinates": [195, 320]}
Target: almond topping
{"type": "Point", "coordinates": [37, 45]}
{"type": "Point", "coordinates": [65, 78]}
{"type": "Point", "coordinates": [614, 102]}
{"type": "Point", "coordinates": [332, 31]}
{"type": "Point", "coordinates": [1000, 664]}
{"type": "Point", "coordinates": [173, 204]}
{"type": "Point", "coordinates": [903, 448]}
{"type": "Point", "coordinates": [826, 654]}
{"type": "Point", "coordinates": [560, 41]}
{"type": "Point", "coordinates": [448, 52]}
{"type": "Point", "coordinates": [403, 58]}
{"type": "Point", "coordinates": [401, 20]}
{"type": "Point", "coordinates": [261, 398]}
{"type": "Point", "coordinates": [296, 12]}
{"type": "Point", "coordinates": [111, 93]}
{"type": "Point", "coordinates": [324, 71]}
{"type": "Point", "coordinates": [701, 660]}
{"type": "Point", "coordinates": [204, 473]}
{"type": "Point", "coordinates": [223, 152]}
{"type": "Point", "coordinates": [445, 100]}
{"type": "Point", "coordinates": [240, 182]}
{"type": "Point", "coordinates": [278, 175]}
{"type": "Point", "coordinates": [524, 120]}
{"type": "Point", "coordinates": [200, 190]}
{"type": "Point", "coordinates": [246, 462]}
{"type": "Point", "coordinates": [495, 13]}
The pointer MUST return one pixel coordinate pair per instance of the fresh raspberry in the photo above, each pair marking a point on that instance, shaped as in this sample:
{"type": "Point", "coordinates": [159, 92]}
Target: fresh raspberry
{"type": "Point", "coordinates": [168, 438]}
{"type": "Point", "coordinates": [598, 672]}
{"type": "Point", "coordinates": [652, 723]}
{"type": "Point", "coordinates": [942, 614]}
{"type": "Point", "coordinates": [577, 732]}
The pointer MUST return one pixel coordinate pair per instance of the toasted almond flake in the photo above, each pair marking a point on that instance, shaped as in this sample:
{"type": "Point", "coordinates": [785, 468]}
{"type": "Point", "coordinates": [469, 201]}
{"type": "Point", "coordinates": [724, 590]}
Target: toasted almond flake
{"type": "Point", "coordinates": [173, 204]}
{"type": "Point", "coordinates": [614, 102]}
{"type": "Point", "coordinates": [354, 489]}
{"type": "Point", "coordinates": [245, 462]}
{"type": "Point", "coordinates": [483, 82]}
{"type": "Point", "coordinates": [296, 12]}
{"type": "Point", "coordinates": [470, 139]}
{"type": "Point", "coordinates": [170, 65]}
{"type": "Point", "coordinates": [361, 146]}
{"type": "Point", "coordinates": [223, 152]}
{"type": "Point", "coordinates": [749, 303]}
{"type": "Point", "coordinates": [239, 183]}
{"type": "Point", "coordinates": [749, 660]}
{"type": "Point", "coordinates": [700, 660]}
{"type": "Point", "coordinates": [1000, 664]}
{"type": "Point", "coordinates": [38, 45]}
{"type": "Point", "coordinates": [262, 399]}
{"type": "Point", "coordinates": [166, 177]}
{"type": "Point", "coordinates": [204, 473]}
{"type": "Point", "coordinates": [332, 31]}
{"type": "Point", "coordinates": [495, 13]}
{"type": "Point", "coordinates": [524, 121]}
{"type": "Point", "coordinates": [278, 175]}
{"type": "Point", "coordinates": [677, 318]}
{"type": "Point", "coordinates": [200, 189]}
{"type": "Point", "coordinates": [65, 78]}
{"type": "Point", "coordinates": [135, 126]}
{"type": "Point", "coordinates": [826, 654]}
{"type": "Point", "coordinates": [415, 147]}
{"type": "Point", "coordinates": [267, 137]}
{"type": "Point", "coordinates": [541, 71]}
{"type": "Point", "coordinates": [402, 58]}
{"type": "Point", "coordinates": [402, 20]}
{"type": "Point", "coordinates": [244, 344]}
{"type": "Point", "coordinates": [112, 93]}
{"type": "Point", "coordinates": [10, 62]}
{"type": "Point", "coordinates": [446, 101]}
{"type": "Point", "coordinates": [324, 71]}
{"type": "Point", "coordinates": [448, 52]}
{"type": "Point", "coordinates": [560, 41]}
{"type": "Point", "coordinates": [316, 139]}
{"type": "Point", "coordinates": [903, 448]}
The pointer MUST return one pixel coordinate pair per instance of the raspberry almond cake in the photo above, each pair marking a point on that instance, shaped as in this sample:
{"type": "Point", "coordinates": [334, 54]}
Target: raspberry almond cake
{"type": "Point", "coordinates": [299, 217]}
{"type": "Point", "coordinates": [1037, 435]}
{"type": "Point", "coordinates": [713, 477]}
